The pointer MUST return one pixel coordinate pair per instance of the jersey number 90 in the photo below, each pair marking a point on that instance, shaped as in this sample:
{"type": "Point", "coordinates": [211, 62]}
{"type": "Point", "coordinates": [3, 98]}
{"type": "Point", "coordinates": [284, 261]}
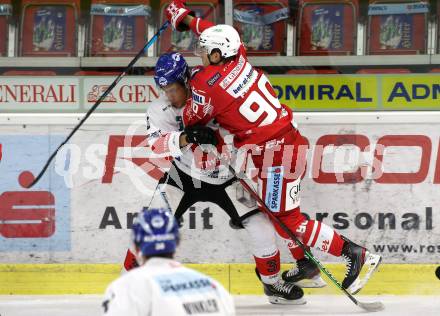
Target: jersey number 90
{"type": "Point", "coordinates": [262, 106]}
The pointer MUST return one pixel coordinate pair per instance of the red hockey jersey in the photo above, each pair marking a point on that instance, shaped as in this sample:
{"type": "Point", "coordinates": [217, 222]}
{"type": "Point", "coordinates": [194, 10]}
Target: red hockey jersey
{"type": "Point", "coordinates": [238, 96]}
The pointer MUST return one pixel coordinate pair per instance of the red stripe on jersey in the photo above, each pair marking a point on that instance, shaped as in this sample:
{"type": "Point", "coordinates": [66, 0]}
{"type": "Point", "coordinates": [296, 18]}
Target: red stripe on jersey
{"type": "Point", "coordinates": [315, 238]}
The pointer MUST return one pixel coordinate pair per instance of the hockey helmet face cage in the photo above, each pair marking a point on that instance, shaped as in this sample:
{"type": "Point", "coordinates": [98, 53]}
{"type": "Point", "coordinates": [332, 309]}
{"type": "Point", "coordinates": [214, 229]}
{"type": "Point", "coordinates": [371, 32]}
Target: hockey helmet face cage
{"type": "Point", "coordinates": [222, 37]}
{"type": "Point", "coordinates": [155, 232]}
{"type": "Point", "coordinates": [171, 68]}
{"type": "Point", "coordinates": [199, 50]}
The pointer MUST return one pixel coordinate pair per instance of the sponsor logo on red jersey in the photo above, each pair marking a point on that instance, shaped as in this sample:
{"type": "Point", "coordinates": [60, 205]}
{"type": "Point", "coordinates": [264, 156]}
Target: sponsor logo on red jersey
{"type": "Point", "coordinates": [198, 98]}
{"type": "Point", "coordinates": [214, 79]}
{"type": "Point", "coordinates": [234, 73]}
{"type": "Point", "coordinates": [274, 188]}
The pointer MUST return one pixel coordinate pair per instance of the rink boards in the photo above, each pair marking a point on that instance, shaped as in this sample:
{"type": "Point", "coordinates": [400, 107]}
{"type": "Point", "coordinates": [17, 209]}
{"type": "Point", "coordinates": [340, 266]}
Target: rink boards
{"type": "Point", "coordinates": [239, 279]}
{"type": "Point", "coordinates": [96, 186]}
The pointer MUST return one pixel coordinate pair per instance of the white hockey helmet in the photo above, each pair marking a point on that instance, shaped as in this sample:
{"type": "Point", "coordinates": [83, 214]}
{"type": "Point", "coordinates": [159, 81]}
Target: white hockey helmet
{"type": "Point", "coordinates": [223, 37]}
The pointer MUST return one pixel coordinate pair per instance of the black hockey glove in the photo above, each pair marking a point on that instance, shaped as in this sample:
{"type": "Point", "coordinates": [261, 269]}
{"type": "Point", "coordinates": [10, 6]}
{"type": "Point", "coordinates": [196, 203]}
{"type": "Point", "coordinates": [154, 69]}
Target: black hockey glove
{"type": "Point", "coordinates": [200, 135]}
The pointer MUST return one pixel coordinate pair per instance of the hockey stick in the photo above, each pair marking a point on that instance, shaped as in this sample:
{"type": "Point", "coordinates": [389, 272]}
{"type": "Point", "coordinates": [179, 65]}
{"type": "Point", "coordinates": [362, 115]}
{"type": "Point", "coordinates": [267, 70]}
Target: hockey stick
{"type": "Point", "coordinates": [101, 98]}
{"type": "Point", "coordinates": [130, 258]}
{"type": "Point", "coordinates": [368, 306]}
{"type": "Point", "coordinates": [161, 193]}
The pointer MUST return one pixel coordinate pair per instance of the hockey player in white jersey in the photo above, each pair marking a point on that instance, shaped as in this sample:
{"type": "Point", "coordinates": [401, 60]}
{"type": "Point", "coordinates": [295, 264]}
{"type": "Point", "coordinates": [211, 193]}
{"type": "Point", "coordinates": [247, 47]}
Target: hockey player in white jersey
{"type": "Point", "coordinates": [191, 180]}
{"type": "Point", "coordinates": [161, 286]}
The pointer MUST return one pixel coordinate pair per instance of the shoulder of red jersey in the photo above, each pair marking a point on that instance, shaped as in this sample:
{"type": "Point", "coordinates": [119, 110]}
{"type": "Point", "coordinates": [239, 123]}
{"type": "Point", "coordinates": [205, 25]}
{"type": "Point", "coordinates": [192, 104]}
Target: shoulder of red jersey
{"type": "Point", "coordinates": [222, 75]}
{"type": "Point", "coordinates": [205, 77]}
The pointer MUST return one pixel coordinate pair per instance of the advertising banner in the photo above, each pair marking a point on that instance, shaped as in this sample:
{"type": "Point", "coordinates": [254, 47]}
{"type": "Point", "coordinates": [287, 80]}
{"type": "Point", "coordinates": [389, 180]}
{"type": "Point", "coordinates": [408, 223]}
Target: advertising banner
{"type": "Point", "coordinates": [258, 25]}
{"type": "Point", "coordinates": [49, 30]}
{"type": "Point", "coordinates": [5, 9]}
{"type": "Point", "coordinates": [398, 27]}
{"type": "Point", "coordinates": [398, 8]}
{"type": "Point", "coordinates": [119, 33]}
{"type": "Point", "coordinates": [299, 92]}
{"type": "Point", "coordinates": [328, 28]}
{"type": "Point", "coordinates": [397, 31]}
{"type": "Point", "coordinates": [5, 13]}
{"type": "Point", "coordinates": [37, 219]}
{"type": "Point", "coordinates": [358, 92]}
{"type": "Point", "coordinates": [408, 92]}
{"type": "Point", "coordinates": [120, 10]}
{"type": "Point", "coordinates": [75, 93]}
{"type": "Point", "coordinates": [132, 93]}
{"type": "Point", "coordinates": [387, 175]}
{"type": "Point", "coordinates": [116, 28]}
{"type": "Point", "coordinates": [39, 94]}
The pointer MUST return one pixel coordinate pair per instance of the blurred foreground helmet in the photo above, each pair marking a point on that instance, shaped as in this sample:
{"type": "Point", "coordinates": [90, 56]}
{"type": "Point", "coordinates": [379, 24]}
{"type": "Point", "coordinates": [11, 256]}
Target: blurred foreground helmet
{"type": "Point", "coordinates": [155, 232]}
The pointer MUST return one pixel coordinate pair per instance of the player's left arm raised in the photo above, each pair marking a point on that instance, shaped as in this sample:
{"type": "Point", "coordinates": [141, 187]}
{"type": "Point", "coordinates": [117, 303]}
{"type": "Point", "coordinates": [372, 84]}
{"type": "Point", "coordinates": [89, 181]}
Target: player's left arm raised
{"type": "Point", "coordinates": [182, 19]}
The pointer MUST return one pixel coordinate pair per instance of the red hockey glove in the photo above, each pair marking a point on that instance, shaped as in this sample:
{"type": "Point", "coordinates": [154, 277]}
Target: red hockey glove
{"type": "Point", "coordinates": [176, 12]}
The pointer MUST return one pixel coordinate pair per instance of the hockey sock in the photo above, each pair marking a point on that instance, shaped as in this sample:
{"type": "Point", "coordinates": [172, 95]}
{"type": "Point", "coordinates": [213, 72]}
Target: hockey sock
{"type": "Point", "coordinates": [314, 233]}
{"type": "Point", "coordinates": [295, 250]}
{"type": "Point", "coordinates": [269, 267]}
{"type": "Point", "coordinates": [321, 236]}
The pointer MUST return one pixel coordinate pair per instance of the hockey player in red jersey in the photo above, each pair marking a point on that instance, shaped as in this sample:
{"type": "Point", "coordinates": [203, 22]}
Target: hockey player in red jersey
{"type": "Point", "coordinates": [242, 101]}
{"type": "Point", "coordinates": [191, 179]}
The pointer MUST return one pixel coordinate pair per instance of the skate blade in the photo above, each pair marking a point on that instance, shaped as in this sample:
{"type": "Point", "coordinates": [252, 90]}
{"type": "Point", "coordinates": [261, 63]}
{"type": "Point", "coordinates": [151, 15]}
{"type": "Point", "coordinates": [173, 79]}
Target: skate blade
{"type": "Point", "coordinates": [315, 282]}
{"type": "Point", "coordinates": [282, 301]}
{"type": "Point", "coordinates": [371, 264]}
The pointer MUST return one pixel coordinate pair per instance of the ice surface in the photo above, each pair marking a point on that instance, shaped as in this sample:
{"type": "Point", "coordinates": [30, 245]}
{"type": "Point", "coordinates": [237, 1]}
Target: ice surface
{"type": "Point", "coordinates": [90, 305]}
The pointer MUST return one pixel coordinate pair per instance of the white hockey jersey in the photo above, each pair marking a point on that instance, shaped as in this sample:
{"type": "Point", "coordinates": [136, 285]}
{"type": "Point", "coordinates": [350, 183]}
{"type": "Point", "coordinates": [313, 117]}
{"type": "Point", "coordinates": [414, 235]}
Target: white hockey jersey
{"type": "Point", "coordinates": [164, 126]}
{"type": "Point", "coordinates": [163, 287]}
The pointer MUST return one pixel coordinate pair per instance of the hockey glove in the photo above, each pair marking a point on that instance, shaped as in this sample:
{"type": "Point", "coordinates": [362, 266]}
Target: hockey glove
{"type": "Point", "coordinates": [200, 135]}
{"type": "Point", "coordinates": [176, 12]}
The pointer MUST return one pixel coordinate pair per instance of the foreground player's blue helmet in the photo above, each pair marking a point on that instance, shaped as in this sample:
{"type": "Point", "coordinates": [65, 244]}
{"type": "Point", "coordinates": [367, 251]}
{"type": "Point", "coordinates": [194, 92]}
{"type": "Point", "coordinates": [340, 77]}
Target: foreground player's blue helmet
{"type": "Point", "coordinates": [155, 232]}
{"type": "Point", "coordinates": [170, 68]}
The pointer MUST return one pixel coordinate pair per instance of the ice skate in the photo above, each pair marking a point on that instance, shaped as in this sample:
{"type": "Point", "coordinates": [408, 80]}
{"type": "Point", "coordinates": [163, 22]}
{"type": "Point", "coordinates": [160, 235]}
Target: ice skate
{"type": "Point", "coordinates": [282, 292]}
{"type": "Point", "coordinates": [305, 274]}
{"type": "Point", "coordinates": [358, 261]}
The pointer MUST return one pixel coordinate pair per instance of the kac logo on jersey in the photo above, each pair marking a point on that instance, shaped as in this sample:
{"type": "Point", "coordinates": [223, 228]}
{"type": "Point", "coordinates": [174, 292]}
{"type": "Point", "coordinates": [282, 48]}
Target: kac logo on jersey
{"type": "Point", "coordinates": [274, 188]}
